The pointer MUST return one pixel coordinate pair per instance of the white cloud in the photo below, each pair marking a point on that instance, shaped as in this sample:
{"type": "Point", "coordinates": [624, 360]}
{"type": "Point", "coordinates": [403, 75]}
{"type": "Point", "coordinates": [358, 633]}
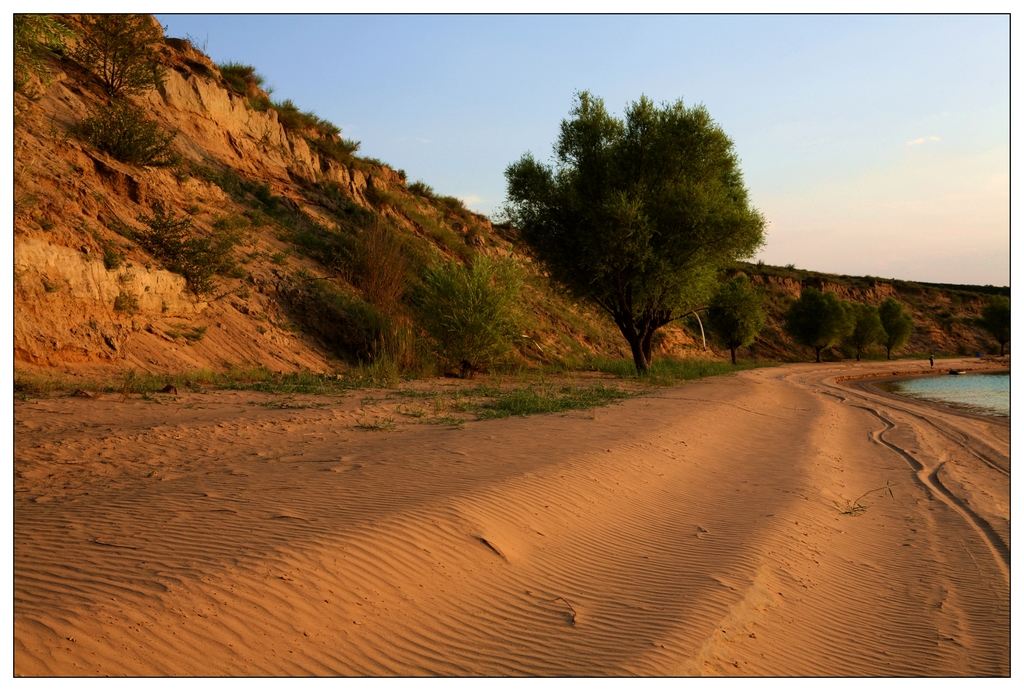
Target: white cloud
{"type": "Point", "coordinates": [924, 140]}
{"type": "Point", "coordinates": [472, 200]}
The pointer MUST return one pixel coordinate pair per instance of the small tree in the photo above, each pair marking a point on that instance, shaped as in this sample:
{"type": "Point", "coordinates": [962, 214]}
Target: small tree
{"type": "Point", "coordinates": [121, 50]}
{"type": "Point", "coordinates": [197, 257]}
{"type": "Point", "coordinates": [471, 312]}
{"type": "Point", "coordinates": [867, 328]}
{"type": "Point", "coordinates": [897, 324]}
{"type": "Point", "coordinates": [818, 320]}
{"type": "Point", "coordinates": [995, 318]}
{"type": "Point", "coordinates": [736, 314]}
{"type": "Point", "coordinates": [637, 214]}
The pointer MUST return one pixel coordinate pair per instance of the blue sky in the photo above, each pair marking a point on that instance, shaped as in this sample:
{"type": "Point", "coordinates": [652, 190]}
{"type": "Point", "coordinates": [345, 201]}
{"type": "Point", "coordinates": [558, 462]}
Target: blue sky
{"type": "Point", "coordinates": [873, 144]}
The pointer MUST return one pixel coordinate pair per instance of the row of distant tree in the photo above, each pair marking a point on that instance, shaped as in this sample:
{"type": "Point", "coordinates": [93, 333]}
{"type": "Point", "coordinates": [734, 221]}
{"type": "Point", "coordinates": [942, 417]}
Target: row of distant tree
{"type": "Point", "coordinates": [822, 320]}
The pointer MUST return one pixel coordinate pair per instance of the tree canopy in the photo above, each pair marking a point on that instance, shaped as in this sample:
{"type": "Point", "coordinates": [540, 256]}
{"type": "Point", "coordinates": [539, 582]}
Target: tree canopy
{"type": "Point", "coordinates": [736, 314]}
{"type": "Point", "coordinates": [867, 328]}
{"type": "Point", "coordinates": [996, 320]}
{"type": "Point", "coordinates": [122, 50]}
{"type": "Point", "coordinates": [818, 320]}
{"type": "Point", "coordinates": [897, 324]}
{"type": "Point", "coordinates": [636, 214]}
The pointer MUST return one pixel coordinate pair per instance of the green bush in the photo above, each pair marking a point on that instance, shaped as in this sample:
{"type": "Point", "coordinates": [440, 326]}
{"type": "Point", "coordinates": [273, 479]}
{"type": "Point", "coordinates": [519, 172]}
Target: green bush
{"type": "Point", "coordinates": [334, 147]}
{"type": "Point", "coordinates": [381, 267]}
{"type": "Point", "coordinates": [183, 250]}
{"type": "Point", "coordinates": [422, 189]}
{"type": "Point", "coordinates": [123, 131]}
{"type": "Point", "coordinates": [112, 257]}
{"type": "Point", "coordinates": [126, 302]}
{"type": "Point", "coordinates": [471, 312]}
{"type": "Point", "coordinates": [350, 327]}
{"type": "Point", "coordinates": [289, 115]}
{"type": "Point", "coordinates": [242, 79]}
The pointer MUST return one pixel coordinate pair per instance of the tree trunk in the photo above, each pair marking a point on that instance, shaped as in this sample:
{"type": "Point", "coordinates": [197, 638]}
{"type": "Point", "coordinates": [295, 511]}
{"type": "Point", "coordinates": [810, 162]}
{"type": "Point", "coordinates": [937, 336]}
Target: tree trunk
{"type": "Point", "coordinates": [733, 350]}
{"type": "Point", "coordinates": [888, 353]}
{"type": "Point", "coordinates": [639, 359]}
{"type": "Point", "coordinates": [1002, 348]}
{"type": "Point", "coordinates": [817, 353]}
{"type": "Point", "coordinates": [646, 345]}
{"type": "Point", "coordinates": [858, 354]}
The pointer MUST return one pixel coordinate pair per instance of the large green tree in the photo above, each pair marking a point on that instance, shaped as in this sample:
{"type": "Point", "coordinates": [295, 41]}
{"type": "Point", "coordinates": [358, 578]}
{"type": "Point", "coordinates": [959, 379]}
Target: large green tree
{"type": "Point", "coordinates": [867, 328]}
{"type": "Point", "coordinates": [818, 320]}
{"type": "Point", "coordinates": [736, 314]}
{"type": "Point", "coordinates": [637, 214]}
{"type": "Point", "coordinates": [897, 324]}
{"type": "Point", "coordinates": [996, 320]}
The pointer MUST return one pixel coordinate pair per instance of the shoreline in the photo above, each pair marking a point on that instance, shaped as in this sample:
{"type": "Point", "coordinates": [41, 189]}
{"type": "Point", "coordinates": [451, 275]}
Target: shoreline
{"type": "Point", "coordinates": [876, 386]}
{"type": "Point", "coordinates": [782, 521]}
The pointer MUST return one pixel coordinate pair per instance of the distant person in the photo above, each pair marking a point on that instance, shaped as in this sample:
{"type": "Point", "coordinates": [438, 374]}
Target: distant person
{"type": "Point", "coordinates": [931, 360]}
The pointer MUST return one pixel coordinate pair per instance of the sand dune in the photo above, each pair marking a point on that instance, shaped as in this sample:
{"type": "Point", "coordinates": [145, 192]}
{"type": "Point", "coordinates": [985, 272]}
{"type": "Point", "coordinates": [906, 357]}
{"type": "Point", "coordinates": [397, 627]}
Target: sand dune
{"type": "Point", "coordinates": [705, 529]}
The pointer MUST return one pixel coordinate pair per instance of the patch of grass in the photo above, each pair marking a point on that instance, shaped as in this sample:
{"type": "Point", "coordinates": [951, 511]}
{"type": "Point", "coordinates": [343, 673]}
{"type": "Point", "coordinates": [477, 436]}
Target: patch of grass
{"type": "Point", "coordinates": [534, 400]}
{"type": "Point", "coordinates": [243, 79]}
{"type": "Point", "coordinates": [289, 115]}
{"type": "Point", "coordinates": [666, 371]}
{"type": "Point", "coordinates": [334, 147]}
{"type": "Point", "coordinates": [234, 379]}
{"type": "Point", "coordinates": [380, 425]}
{"type": "Point", "coordinates": [191, 335]}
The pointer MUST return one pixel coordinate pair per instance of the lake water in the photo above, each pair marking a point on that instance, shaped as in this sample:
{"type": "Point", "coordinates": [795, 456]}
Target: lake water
{"type": "Point", "coordinates": [983, 393]}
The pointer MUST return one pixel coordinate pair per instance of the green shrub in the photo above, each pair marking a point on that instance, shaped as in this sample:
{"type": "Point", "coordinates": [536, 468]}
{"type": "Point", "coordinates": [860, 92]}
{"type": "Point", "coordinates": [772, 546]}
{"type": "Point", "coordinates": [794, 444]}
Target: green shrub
{"type": "Point", "coordinates": [335, 147]}
{"type": "Point", "coordinates": [240, 78]}
{"type": "Point", "coordinates": [289, 115]}
{"type": "Point", "coordinates": [123, 131]}
{"type": "Point", "coordinates": [183, 250]}
{"type": "Point", "coordinates": [422, 189]}
{"type": "Point", "coordinates": [381, 267]}
{"type": "Point", "coordinates": [350, 327]}
{"type": "Point", "coordinates": [126, 302]}
{"type": "Point", "coordinates": [121, 50]}
{"type": "Point", "coordinates": [471, 312]}
{"type": "Point", "coordinates": [112, 257]}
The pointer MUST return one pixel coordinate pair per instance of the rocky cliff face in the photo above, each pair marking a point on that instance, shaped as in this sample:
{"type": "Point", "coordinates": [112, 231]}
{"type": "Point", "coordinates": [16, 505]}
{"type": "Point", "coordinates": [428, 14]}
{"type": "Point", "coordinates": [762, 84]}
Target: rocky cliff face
{"type": "Point", "coordinates": [87, 296]}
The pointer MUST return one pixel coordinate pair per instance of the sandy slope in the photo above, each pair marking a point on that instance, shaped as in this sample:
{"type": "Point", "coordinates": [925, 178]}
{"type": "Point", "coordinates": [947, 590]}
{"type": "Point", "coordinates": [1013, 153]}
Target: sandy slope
{"type": "Point", "coordinates": [699, 530]}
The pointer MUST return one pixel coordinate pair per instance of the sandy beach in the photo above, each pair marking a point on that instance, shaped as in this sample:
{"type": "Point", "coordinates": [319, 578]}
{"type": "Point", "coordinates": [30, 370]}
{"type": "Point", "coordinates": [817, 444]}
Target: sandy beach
{"type": "Point", "coordinates": [780, 521]}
